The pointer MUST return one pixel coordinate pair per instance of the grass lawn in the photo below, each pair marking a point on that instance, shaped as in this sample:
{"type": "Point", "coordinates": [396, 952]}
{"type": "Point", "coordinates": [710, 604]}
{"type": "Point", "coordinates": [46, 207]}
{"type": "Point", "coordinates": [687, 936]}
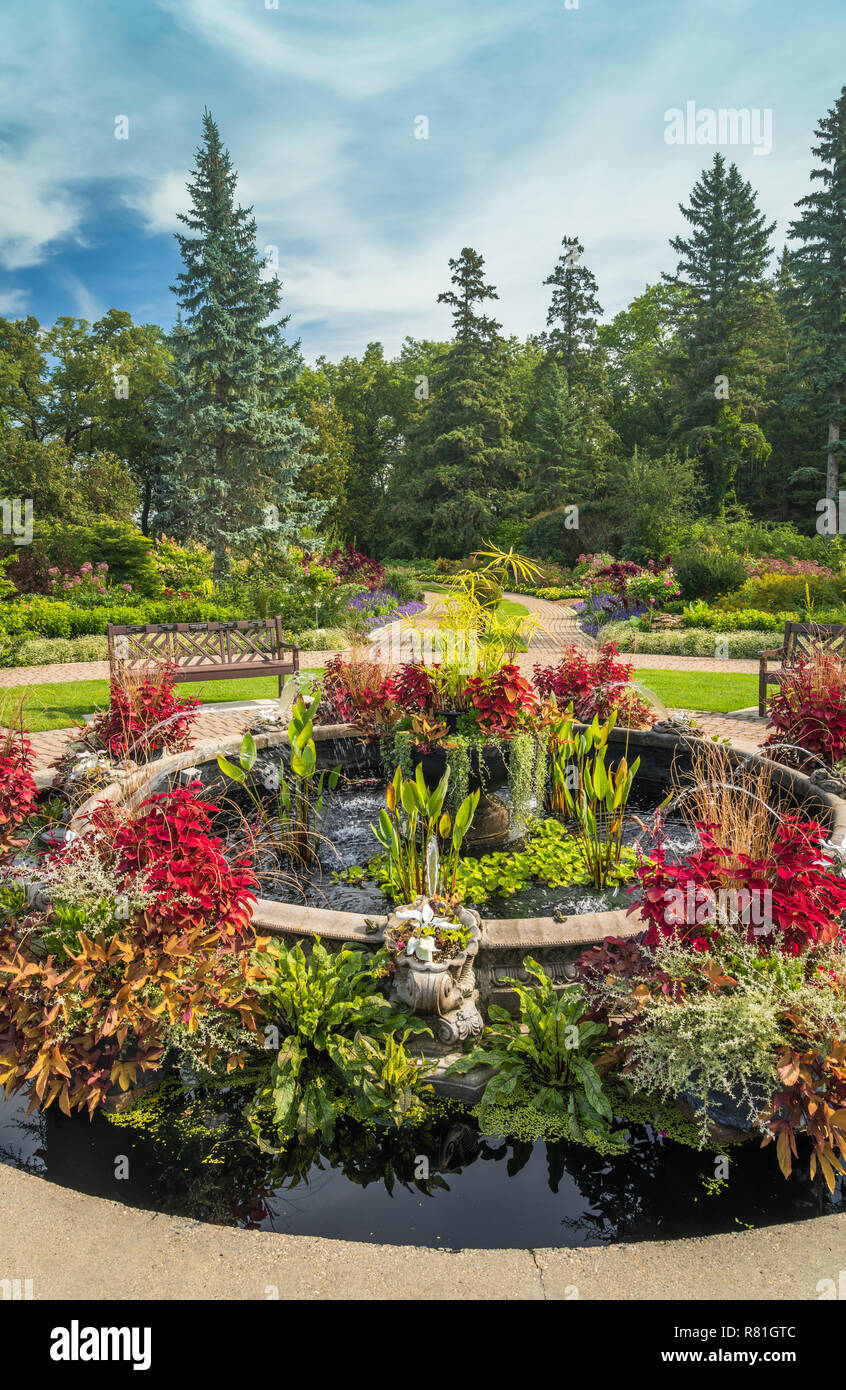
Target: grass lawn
{"type": "Point", "coordinates": [59, 705]}
{"type": "Point", "coordinates": [707, 690]}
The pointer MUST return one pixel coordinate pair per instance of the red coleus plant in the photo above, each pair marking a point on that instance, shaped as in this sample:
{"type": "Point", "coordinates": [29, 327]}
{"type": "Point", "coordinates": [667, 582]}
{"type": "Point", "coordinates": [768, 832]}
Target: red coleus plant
{"type": "Point", "coordinates": [189, 880]}
{"type": "Point", "coordinates": [790, 900]}
{"type": "Point", "coordinates": [809, 709]}
{"type": "Point", "coordinates": [145, 716]}
{"type": "Point", "coordinates": [502, 700]}
{"type": "Point", "coordinates": [596, 685]}
{"type": "Point", "coordinates": [17, 785]}
{"type": "Point", "coordinates": [411, 689]}
{"type": "Point", "coordinates": [96, 1015]}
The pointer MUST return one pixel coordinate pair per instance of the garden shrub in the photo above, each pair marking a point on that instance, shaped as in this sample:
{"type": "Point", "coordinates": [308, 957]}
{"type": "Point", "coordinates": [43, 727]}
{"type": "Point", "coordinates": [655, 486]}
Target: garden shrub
{"type": "Point", "coordinates": [404, 584]}
{"type": "Point", "coordinates": [353, 567]}
{"type": "Point", "coordinates": [757, 539]}
{"type": "Point", "coordinates": [775, 593]}
{"type": "Point", "coordinates": [548, 537]}
{"type": "Point", "coordinates": [691, 641]}
{"type": "Point", "coordinates": [182, 566]}
{"type": "Point", "coordinates": [36, 615]}
{"type": "Point", "coordinates": [700, 614]}
{"type": "Point", "coordinates": [705, 571]}
{"type": "Point", "coordinates": [56, 545]}
{"type": "Point", "coordinates": [50, 651]}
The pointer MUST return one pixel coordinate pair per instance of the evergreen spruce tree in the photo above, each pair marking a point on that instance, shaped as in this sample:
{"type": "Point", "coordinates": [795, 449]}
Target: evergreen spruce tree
{"type": "Point", "coordinates": [232, 444]}
{"type": "Point", "coordinates": [572, 342]}
{"type": "Point", "coordinates": [819, 263]}
{"type": "Point", "coordinates": [557, 458]}
{"type": "Point", "coordinates": [572, 319]}
{"type": "Point", "coordinates": [466, 464]}
{"type": "Point", "coordinates": [721, 272]}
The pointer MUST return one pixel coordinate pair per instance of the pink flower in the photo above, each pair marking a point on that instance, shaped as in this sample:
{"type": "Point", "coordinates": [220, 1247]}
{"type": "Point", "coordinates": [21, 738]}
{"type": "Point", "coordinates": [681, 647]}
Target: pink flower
{"type": "Point", "coordinates": [86, 568]}
{"type": "Point", "coordinates": [102, 567]}
{"type": "Point", "coordinates": [53, 570]}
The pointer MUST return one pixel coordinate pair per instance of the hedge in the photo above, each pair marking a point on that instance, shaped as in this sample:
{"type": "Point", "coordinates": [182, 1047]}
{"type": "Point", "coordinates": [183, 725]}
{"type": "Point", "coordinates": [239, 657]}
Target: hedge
{"type": "Point", "coordinates": [47, 617]}
{"type": "Point", "coordinates": [690, 641]}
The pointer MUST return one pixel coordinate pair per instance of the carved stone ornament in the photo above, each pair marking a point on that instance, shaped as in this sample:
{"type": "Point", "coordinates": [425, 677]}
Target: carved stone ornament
{"type": "Point", "coordinates": [443, 992]}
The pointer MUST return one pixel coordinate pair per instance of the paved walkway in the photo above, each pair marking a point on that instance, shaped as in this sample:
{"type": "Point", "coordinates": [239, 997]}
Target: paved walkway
{"type": "Point", "coordinates": [74, 1247]}
{"type": "Point", "coordinates": [557, 628]}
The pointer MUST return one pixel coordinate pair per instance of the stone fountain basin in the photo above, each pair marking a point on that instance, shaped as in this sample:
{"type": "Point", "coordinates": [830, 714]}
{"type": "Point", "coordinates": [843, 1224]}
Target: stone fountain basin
{"type": "Point", "coordinates": [504, 941]}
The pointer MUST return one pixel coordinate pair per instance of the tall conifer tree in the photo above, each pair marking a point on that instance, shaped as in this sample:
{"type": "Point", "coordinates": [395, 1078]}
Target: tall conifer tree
{"type": "Point", "coordinates": [232, 443]}
{"type": "Point", "coordinates": [465, 459]}
{"type": "Point", "coordinates": [721, 271]}
{"type": "Point", "coordinates": [819, 264]}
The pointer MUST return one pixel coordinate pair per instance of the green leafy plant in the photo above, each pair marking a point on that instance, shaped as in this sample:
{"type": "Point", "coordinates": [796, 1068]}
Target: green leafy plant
{"type": "Point", "coordinates": [584, 788]}
{"type": "Point", "coordinates": [548, 1057]}
{"type": "Point", "coordinates": [410, 825]}
{"type": "Point", "coordinates": [338, 1036]}
{"type": "Point", "coordinates": [292, 826]}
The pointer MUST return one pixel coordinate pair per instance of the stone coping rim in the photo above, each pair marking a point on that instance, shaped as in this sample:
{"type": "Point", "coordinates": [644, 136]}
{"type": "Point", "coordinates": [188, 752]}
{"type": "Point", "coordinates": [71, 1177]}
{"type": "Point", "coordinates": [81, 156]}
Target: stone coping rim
{"type": "Point", "coordinates": [291, 919]}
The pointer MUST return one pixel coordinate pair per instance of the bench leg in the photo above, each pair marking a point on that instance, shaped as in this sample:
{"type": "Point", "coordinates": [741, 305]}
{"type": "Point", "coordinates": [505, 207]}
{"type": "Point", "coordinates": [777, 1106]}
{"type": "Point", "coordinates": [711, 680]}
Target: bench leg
{"type": "Point", "coordinates": [762, 691]}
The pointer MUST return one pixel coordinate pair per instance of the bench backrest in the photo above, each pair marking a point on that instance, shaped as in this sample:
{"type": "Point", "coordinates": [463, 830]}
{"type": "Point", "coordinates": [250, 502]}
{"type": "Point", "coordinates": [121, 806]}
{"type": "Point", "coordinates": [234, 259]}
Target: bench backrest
{"type": "Point", "coordinates": [189, 647]}
{"type": "Point", "coordinates": [800, 638]}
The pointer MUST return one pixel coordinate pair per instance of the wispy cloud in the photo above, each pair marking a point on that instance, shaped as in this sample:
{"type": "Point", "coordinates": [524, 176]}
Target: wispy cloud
{"type": "Point", "coordinates": [13, 303]}
{"type": "Point", "coordinates": [36, 210]}
{"type": "Point", "coordinates": [356, 51]}
{"type": "Point", "coordinates": [544, 122]}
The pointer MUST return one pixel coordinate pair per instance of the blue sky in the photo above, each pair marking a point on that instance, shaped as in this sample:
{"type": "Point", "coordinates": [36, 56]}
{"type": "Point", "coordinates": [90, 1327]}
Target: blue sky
{"type": "Point", "coordinates": [544, 121]}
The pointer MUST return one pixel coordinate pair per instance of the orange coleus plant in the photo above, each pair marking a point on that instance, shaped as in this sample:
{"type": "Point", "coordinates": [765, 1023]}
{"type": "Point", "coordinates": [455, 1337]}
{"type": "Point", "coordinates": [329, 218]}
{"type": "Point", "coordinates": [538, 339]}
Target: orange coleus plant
{"type": "Point", "coordinates": [813, 1099]}
{"type": "Point", "coordinates": [97, 1013]}
{"type": "Point", "coordinates": [74, 1029]}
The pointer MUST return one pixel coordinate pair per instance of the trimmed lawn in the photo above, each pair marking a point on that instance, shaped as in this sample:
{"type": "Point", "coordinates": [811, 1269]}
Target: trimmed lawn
{"type": "Point", "coordinates": [706, 690]}
{"type": "Point", "coordinates": [64, 703]}
{"type": "Point", "coordinates": [59, 705]}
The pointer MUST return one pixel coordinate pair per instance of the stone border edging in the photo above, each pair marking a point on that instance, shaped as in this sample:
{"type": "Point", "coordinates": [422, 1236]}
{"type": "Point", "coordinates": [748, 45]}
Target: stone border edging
{"type": "Point", "coordinates": [506, 933]}
{"type": "Point", "coordinates": [74, 1246]}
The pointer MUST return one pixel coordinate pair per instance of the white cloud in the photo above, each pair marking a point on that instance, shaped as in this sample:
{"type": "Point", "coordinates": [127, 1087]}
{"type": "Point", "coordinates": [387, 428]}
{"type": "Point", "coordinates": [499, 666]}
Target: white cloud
{"type": "Point", "coordinates": [35, 209]}
{"type": "Point", "coordinates": [358, 50]}
{"type": "Point", "coordinates": [86, 306]}
{"type": "Point", "coordinates": [13, 302]}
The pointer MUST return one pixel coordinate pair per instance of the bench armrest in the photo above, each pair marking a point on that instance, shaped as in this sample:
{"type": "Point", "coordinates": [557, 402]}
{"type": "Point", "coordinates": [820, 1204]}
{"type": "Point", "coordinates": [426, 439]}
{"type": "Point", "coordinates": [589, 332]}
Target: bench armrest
{"type": "Point", "coordinates": [770, 653]}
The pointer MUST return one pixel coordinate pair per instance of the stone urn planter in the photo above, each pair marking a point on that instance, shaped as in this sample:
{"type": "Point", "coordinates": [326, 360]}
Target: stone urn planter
{"type": "Point", "coordinates": [488, 772]}
{"type": "Point", "coordinates": [440, 988]}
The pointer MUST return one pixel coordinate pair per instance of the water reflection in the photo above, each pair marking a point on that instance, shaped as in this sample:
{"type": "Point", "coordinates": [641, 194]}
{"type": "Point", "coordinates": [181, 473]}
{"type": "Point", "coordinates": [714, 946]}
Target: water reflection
{"type": "Point", "coordinates": [441, 1184]}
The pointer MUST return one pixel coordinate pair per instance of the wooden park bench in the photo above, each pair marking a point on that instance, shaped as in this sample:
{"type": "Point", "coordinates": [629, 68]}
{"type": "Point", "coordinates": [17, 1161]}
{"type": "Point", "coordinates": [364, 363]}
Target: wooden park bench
{"type": "Point", "coordinates": [206, 651]}
{"type": "Point", "coordinates": [799, 639]}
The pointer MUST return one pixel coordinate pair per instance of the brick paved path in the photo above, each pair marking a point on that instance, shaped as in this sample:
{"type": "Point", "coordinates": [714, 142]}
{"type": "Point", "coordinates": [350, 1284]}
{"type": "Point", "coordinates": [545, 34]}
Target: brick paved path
{"type": "Point", "coordinates": [556, 629]}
